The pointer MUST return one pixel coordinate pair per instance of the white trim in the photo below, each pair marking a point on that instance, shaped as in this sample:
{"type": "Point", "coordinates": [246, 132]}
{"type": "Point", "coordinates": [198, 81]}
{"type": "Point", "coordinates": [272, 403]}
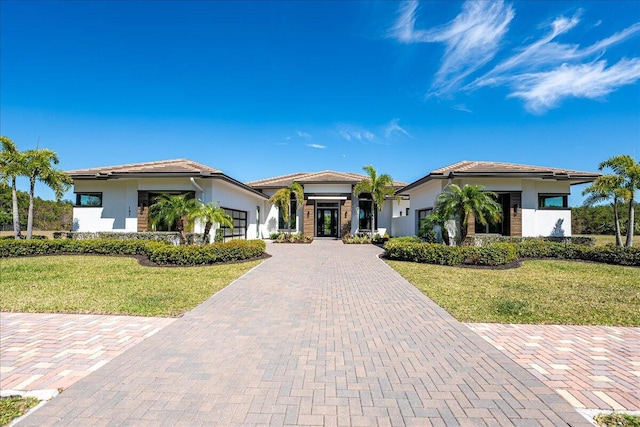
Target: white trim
{"type": "Point", "coordinates": [327, 197]}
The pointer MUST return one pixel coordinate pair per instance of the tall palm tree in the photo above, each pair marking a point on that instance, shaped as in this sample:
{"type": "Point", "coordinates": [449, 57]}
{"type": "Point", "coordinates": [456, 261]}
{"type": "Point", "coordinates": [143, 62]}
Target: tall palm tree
{"type": "Point", "coordinates": [210, 214]}
{"type": "Point", "coordinates": [607, 187]}
{"type": "Point", "coordinates": [461, 203]}
{"type": "Point", "coordinates": [173, 209]}
{"type": "Point", "coordinates": [282, 199]}
{"type": "Point", "coordinates": [379, 186]}
{"type": "Point", "coordinates": [625, 167]}
{"type": "Point", "coordinates": [38, 166]}
{"type": "Point", "coordinates": [12, 166]}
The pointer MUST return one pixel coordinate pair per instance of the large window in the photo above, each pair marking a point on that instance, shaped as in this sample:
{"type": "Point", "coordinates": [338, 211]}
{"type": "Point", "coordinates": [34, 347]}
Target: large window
{"type": "Point", "coordinates": [293, 208]}
{"type": "Point", "coordinates": [553, 201]}
{"type": "Point", "coordinates": [90, 200]}
{"type": "Point", "coordinates": [420, 215]}
{"type": "Point", "coordinates": [365, 214]}
{"type": "Point", "coordinates": [239, 230]}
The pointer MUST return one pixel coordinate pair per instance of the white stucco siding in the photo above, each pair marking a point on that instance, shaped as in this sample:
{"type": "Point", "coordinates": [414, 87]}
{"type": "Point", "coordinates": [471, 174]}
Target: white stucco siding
{"type": "Point", "coordinates": [327, 188]}
{"type": "Point", "coordinates": [536, 222]}
{"type": "Point", "coordinates": [118, 211]}
{"type": "Point", "coordinates": [402, 226]}
{"type": "Point", "coordinates": [231, 196]}
{"type": "Point", "coordinates": [421, 197]}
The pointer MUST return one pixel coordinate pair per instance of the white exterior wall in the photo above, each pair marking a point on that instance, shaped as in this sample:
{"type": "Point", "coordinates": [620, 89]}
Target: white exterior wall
{"type": "Point", "coordinates": [421, 197]}
{"type": "Point", "coordinates": [269, 223]}
{"type": "Point", "coordinates": [120, 199]}
{"type": "Point", "coordinates": [118, 211]}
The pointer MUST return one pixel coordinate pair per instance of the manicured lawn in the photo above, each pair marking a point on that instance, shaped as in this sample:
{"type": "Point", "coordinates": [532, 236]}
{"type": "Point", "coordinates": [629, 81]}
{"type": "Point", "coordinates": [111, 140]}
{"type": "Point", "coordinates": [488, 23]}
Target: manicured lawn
{"type": "Point", "coordinates": [14, 407]}
{"type": "Point", "coordinates": [604, 239]}
{"type": "Point", "coordinates": [108, 285]}
{"type": "Point", "coordinates": [540, 292]}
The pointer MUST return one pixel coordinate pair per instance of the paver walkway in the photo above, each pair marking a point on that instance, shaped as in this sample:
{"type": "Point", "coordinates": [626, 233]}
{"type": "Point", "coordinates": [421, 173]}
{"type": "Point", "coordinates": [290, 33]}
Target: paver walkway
{"type": "Point", "coordinates": [320, 334]}
{"type": "Point", "coordinates": [592, 367]}
{"type": "Point", "coordinates": [53, 351]}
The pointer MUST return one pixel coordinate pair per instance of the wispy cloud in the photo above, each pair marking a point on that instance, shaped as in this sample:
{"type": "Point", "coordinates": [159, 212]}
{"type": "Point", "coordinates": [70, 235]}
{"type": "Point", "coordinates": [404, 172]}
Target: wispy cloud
{"type": "Point", "coordinates": [304, 135]}
{"type": "Point", "coordinates": [357, 135]}
{"type": "Point", "coordinates": [394, 127]}
{"type": "Point", "coordinates": [462, 107]}
{"type": "Point", "coordinates": [544, 90]}
{"type": "Point", "coordinates": [541, 73]}
{"type": "Point", "coordinates": [318, 146]}
{"type": "Point", "coordinates": [472, 39]}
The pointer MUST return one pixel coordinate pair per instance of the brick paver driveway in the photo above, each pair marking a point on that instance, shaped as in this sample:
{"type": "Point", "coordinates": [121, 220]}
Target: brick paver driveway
{"type": "Point", "coordinates": [320, 334]}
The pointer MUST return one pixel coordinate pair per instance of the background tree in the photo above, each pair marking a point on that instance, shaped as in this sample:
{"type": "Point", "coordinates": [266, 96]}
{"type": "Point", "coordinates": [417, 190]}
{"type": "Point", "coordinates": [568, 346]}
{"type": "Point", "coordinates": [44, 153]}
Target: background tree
{"type": "Point", "coordinates": [12, 166]}
{"type": "Point", "coordinates": [460, 203]}
{"type": "Point", "coordinates": [379, 186]}
{"type": "Point", "coordinates": [282, 199]}
{"type": "Point", "coordinates": [210, 214]}
{"type": "Point", "coordinates": [38, 166]}
{"type": "Point", "coordinates": [628, 170]}
{"type": "Point", "coordinates": [604, 188]}
{"type": "Point", "coordinates": [173, 209]}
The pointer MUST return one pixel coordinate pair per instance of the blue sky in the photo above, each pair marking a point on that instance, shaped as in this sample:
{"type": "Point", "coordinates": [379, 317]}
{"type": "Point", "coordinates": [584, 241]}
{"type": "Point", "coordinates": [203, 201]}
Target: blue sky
{"type": "Point", "coordinates": [262, 88]}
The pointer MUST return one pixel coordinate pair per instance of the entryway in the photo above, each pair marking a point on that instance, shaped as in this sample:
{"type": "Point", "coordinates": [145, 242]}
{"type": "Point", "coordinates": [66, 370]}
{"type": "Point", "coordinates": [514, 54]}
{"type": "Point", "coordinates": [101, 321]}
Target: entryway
{"type": "Point", "coordinates": [327, 221]}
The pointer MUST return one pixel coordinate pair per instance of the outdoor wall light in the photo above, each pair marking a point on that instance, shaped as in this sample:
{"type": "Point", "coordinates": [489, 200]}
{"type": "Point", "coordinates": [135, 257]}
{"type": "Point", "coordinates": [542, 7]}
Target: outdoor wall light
{"type": "Point", "coordinates": [141, 207]}
{"type": "Point", "coordinates": [307, 214]}
{"type": "Point", "coordinates": [515, 208]}
{"type": "Point", "coordinates": [345, 214]}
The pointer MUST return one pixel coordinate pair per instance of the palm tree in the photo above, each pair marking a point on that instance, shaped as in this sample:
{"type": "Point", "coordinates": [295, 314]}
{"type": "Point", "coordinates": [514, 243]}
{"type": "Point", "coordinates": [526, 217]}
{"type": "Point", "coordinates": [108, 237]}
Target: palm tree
{"type": "Point", "coordinates": [38, 166]}
{"type": "Point", "coordinates": [607, 187]}
{"type": "Point", "coordinates": [379, 186]}
{"type": "Point", "coordinates": [11, 166]}
{"type": "Point", "coordinates": [628, 170]}
{"type": "Point", "coordinates": [461, 203]}
{"type": "Point", "coordinates": [170, 209]}
{"type": "Point", "coordinates": [282, 199]}
{"type": "Point", "coordinates": [210, 214]}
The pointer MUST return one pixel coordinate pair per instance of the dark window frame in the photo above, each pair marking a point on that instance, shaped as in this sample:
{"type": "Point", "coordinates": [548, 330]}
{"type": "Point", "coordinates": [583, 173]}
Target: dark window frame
{"type": "Point", "coordinates": [420, 217]}
{"type": "Point", "coordinates": [293, 216]}
{"type": "Point", "coordinates": [239, 231]}
{"type": "Point", "coordinates": [88, 193]}
{"type": "Point", "coordinates": [543, 196]}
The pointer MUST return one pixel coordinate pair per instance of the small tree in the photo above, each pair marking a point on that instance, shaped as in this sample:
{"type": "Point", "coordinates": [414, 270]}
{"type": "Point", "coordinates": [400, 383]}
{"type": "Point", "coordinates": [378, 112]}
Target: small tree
{"type": "Point", "coordinates": [282, 200]}
{"type": "Point", "coordinates": [210, 214]}
{"type": "Point", "coordinates": [460, 203]}
{"type": "Point", "coordinates": [379, 186]}
{"type": "Point", "coordinates": [12, 166]}
{"type": "Point", "coordinates": [628, 171]}
{"type": "Point", "coordinates": [38, 166]}
{"type": "Point", "coordinates": [173, 209]}
{"type": "Point", "coordinates": [607, 187]}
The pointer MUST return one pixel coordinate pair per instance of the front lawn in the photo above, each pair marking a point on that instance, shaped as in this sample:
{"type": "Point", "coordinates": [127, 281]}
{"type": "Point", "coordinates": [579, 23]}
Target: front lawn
{"type": "Point", "coordinates": [540, 292]}
{"type": "Point", "coordinates": [108, 285]}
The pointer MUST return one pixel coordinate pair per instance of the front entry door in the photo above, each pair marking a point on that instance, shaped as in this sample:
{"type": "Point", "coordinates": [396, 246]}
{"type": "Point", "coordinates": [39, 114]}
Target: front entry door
{"type": "Point", "coordinates": [327, 222]}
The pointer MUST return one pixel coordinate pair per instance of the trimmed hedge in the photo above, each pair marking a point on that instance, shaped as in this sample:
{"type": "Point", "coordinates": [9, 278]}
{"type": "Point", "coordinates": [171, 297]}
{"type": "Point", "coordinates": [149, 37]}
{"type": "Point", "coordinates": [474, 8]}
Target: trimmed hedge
{"type": "Point", "coordinates": [504, 253]}
{"type": "Point", "coordinates": [159, 252]}
{"type": "Point", "coordinates": [483, 240]}
{"type": "Point", "coordinates": [172, 237]}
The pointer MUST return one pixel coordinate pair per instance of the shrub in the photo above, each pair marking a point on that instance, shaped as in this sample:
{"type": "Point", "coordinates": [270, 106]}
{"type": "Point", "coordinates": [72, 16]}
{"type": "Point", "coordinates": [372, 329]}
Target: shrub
{"type": "Point", "coordinates": [483, 240]}
{"type": "Point", "coordinates": [358, 239]}
{"type": "Point", "coordinates": [430, 253]}
{"type": "Point", "coordinates": [290, 238]}
{"type": "Point", "coordinates": [496, 254]}
{"type": "Point", "coordinates": [23, 237]}
{"type": "Point", "coordinates": [172, 237]}
{"type": "Point", "coordinates": [157, 251]}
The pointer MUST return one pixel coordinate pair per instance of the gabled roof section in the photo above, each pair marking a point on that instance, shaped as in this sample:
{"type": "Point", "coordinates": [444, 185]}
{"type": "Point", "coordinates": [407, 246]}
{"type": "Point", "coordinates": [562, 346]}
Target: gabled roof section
{"type": "Point", "coordinates": [176, 167]}
{"type": "Point", "coordinates": [322, 177]}
{"type": "Point", "coordinates": [467, 169]}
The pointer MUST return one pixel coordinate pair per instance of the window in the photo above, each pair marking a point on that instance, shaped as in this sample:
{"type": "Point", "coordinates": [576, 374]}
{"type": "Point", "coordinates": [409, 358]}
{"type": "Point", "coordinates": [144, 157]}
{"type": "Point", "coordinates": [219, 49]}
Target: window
{"type": "Point", "coordinates": [365, 214]}
{"type": "Point", "coordinates": [293, 209]}
{"type": "Point", "coordinates": [553, 201]}
{"type": "Point", "coordinates": [89, 200]}
{"type": "Point", "coordinates": [420, 215]}
{"type": "Point", "coordinates": [239, 230]}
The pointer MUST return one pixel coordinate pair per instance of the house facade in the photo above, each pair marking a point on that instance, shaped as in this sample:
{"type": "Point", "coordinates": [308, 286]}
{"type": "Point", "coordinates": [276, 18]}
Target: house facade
{"type": "Point", "coordinates": [117, 198]}
{"type": "Point", "coordinates": [534, 199]}
{"type": "Point", "coordinates": [329, 209]}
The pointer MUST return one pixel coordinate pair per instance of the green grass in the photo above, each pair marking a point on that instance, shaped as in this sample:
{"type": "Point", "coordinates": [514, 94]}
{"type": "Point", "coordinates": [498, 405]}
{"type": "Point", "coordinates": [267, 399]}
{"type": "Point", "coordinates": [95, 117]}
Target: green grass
{"type": "Point", "coordinates": [14, 407]}
{"type": "Point", "coordinates": [539, 292]}
{"type": "Point", "coordinates": [108, 285]}
{"type": "Point", "coordinates": [604, 239]}
{"type": "Point", "coordinates": [617, 420]}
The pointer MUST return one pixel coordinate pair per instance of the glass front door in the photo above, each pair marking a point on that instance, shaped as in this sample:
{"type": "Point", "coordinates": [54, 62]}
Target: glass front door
{"type": "Point", "coordinates": [327, 222]}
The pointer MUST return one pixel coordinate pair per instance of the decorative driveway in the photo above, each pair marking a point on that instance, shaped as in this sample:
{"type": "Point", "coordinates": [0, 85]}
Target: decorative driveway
{"type": "Point", "coordinates": [320, 334]}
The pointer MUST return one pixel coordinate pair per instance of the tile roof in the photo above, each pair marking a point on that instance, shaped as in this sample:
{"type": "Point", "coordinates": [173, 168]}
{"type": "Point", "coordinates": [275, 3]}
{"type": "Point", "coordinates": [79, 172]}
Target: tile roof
{"type": "Point", "coordinates": [467, 168]}
{"type": "Point", "coordinates": [164, 167]}
{"type": "Point", "coordinates": [326, 176]}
